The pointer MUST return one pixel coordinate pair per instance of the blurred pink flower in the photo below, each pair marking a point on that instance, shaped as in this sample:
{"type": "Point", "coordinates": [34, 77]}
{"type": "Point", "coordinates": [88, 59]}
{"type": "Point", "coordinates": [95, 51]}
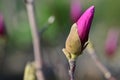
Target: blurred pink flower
{"type": "Point", "coordinates": [2, 27]}
{"type": "Point", "coordinates": [75, 10]}
{"type": "Point", "coordinates": [111, 42]}
{"type": "Point", "coordinates": [84, 24]}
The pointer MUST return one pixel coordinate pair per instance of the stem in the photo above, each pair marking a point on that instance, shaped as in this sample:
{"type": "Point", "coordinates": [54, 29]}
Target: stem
{"type": "Point", "coordinates": [103, 69]}
{"type": "Point", "coordinates": [72, 65]}
{"type": "Point", "coordinates": [36, 39]}
{"type": "Point", "coordinates": [51, 20]}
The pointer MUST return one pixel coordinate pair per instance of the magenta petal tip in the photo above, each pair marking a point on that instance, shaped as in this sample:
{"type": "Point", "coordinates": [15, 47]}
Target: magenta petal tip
{"type": "Point", "coordinates": [92, 8]}
{"type": "Point", "coordinates": [84, 24]}
{"type": "Point", "coordinates": [87, 12]}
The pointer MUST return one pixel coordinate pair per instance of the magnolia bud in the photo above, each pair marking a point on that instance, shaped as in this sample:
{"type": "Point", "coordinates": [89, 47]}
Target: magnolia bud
{"type": "Point", "coordinates": [2, 27]}
{"type": "Point", "coordinates": [111, 42]}
{"type": "Point", "coordinates": [75, 10]}
{"type": "Point", "coordinates": [30, 72]}
{"type": "Point", "coordinates": [73, 43]}
{"type": "Point", "coordinates": [78, 35]}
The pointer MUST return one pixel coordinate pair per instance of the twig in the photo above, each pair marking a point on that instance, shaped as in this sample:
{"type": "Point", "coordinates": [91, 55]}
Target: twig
{"type": "Point", "coordinates": [72, 65]}
{"type": "Point", "coordinates": [103, 69]}
{"type": "Point", "coordinates": [36, 39]}
{"type": "Point", "coordinates": [50, 21]}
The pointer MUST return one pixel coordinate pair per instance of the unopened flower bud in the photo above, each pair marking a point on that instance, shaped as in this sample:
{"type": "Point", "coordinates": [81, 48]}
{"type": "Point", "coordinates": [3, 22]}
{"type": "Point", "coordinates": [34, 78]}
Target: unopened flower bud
{"type": "Point", "coordinates": [111, 42]}
{"type": "Point", "coordinates": [2, 27]}
{"type": "Point", "coordinates": [78, 35]}
{"type": "Point", "coordinates": [30, 72]}
{"type": "Point", "coordinates": [75, 10]}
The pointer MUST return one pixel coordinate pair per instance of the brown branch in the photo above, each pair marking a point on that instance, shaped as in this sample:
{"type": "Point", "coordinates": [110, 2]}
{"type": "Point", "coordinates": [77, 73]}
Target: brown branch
{"type": "Point", "coordinates": [36, 39]}
{"type": "Point", "coordinates": [72, 65]}
{"type": "Point", "coordinates": [103, 69]}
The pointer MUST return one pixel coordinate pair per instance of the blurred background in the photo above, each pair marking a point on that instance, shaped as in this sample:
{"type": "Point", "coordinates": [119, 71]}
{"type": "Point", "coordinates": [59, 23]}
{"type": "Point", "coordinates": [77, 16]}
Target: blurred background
{"type": "Point", "coordinates": [16, 47]}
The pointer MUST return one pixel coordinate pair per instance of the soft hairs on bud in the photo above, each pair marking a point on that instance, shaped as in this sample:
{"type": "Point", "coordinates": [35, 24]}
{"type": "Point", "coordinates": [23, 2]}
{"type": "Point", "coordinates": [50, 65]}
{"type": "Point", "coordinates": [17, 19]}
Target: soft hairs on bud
{"type": "Point", "coordinates": [73, 43]}
{"type": "Point", "coordinates": [29, 73]}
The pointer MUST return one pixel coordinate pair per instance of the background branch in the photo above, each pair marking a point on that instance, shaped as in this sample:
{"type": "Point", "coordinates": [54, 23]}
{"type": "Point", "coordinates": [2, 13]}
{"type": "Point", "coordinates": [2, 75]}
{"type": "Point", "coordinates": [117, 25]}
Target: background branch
{"type": "Point", "coordinates": [36, 39]}
{"type": "Point", "coordinates": [104, 70]}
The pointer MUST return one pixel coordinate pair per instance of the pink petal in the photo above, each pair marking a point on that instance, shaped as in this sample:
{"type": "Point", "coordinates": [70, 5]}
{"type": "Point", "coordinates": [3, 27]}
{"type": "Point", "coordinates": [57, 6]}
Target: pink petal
{"type": "Point", "coordinates": [84, 24]}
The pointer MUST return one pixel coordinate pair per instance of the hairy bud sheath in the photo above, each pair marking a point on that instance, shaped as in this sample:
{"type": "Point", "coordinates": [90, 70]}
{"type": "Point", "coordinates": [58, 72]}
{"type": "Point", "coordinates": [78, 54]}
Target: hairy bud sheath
{"type": "Point", "coordinates": [78, 35]}
{"type": "Point", "coordinates": [29, 73]}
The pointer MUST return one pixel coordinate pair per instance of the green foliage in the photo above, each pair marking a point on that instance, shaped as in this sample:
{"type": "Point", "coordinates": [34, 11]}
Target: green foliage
{"type": "Point", "coordinates": [22, 36]}
{"type": "Point", "coordinates": [16, 19]}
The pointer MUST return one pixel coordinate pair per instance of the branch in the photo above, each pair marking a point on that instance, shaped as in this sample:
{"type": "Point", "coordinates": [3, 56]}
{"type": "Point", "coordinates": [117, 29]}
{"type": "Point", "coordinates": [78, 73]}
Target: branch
{"type": "Point", "coordinates": [50, 21]}
{"type": "Point", "coordinates": [103, 69]}
{"type": "Point", "coordinates": [72, 65]}
{"type": "Point", "coordinates": [36, 39]}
